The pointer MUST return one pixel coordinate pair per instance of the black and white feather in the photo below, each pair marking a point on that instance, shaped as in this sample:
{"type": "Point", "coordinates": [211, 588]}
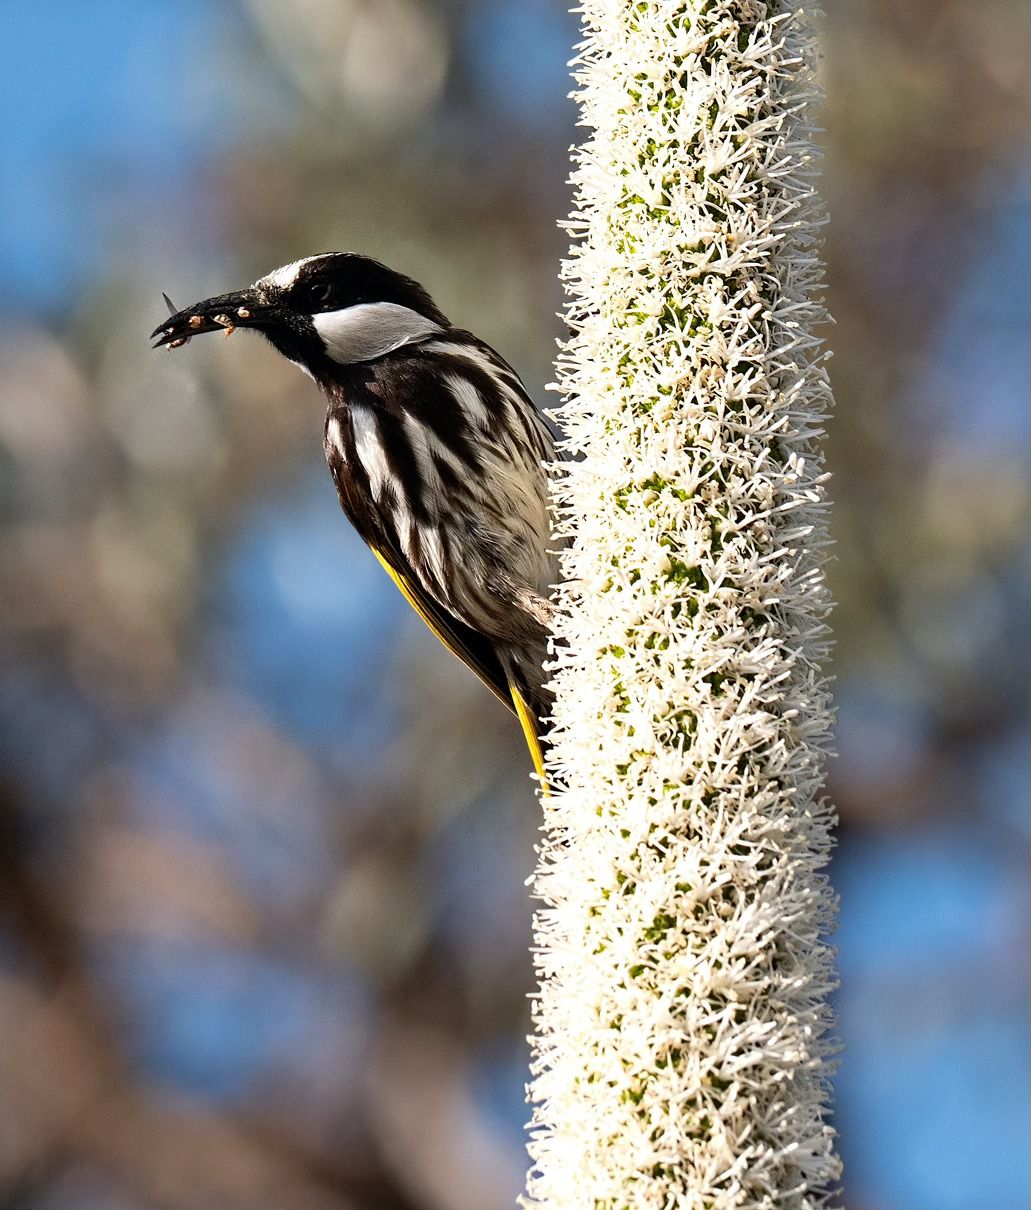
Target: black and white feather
{"type": "Point", "coordinates": [436, 450]}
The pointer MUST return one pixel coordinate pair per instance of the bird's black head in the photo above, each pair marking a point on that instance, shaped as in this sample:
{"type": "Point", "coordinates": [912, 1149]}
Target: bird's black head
{"type": "Point", "coordinates": [323, 312]}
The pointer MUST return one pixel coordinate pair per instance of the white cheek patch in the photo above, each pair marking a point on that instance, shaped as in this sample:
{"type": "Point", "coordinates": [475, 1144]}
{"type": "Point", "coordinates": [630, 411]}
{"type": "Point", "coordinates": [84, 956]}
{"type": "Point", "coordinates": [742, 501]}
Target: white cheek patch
{"type": "Point", "coordinates": [369, 330]}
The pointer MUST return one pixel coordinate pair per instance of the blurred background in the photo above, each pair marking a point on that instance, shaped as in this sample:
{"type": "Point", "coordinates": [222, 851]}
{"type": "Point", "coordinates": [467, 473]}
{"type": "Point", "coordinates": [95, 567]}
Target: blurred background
{"type": "Point", "coordinates": [263, 922]}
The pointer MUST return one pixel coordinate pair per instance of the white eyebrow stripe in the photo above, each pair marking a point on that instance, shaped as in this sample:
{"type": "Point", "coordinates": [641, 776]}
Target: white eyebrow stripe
{"type": "Point", "coordinates": [285, 276]}
{"type": "Point", "coordinates": [370, 330]}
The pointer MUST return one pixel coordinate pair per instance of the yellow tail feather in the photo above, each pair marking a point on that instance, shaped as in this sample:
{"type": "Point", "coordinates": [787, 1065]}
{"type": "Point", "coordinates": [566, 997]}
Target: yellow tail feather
{"type": "Point", "coordinates": [528, 722]}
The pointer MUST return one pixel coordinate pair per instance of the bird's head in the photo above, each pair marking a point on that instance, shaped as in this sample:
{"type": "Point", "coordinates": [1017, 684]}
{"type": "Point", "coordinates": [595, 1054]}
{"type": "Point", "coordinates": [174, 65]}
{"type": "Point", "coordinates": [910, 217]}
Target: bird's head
{"type": "Point", "coordinates": [335, 309]}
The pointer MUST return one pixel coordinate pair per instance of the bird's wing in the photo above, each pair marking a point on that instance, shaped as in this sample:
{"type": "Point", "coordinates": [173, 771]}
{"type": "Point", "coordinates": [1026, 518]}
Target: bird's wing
{"type": "Point", "coordinates": [472, 648]}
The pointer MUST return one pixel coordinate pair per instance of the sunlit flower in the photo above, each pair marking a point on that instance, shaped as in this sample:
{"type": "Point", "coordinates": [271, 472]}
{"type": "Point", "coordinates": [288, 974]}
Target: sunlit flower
{"type": "Point", "coordinates": [681, 1053]}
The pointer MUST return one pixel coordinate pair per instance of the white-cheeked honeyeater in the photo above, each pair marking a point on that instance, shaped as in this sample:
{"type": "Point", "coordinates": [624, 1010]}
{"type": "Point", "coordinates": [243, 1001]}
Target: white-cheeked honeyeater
{"type": "Point", "coordinates": [436, 450]}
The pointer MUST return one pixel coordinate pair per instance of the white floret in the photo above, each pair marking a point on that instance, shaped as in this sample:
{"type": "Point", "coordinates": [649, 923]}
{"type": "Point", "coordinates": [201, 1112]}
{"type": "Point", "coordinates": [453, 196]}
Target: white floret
{"type": "Point", "coordinates": [681, 1054]}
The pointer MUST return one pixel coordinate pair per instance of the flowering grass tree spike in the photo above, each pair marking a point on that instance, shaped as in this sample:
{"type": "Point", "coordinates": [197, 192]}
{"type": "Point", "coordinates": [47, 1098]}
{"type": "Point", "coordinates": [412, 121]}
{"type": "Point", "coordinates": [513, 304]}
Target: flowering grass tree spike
{"type": "Point", "coordinates": [681, 1054]}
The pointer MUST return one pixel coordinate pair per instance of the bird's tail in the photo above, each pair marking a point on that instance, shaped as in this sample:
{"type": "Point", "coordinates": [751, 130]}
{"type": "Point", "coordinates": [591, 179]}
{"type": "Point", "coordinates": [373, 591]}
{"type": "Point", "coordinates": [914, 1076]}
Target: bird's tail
{"type": "Point", "coordinates": [530, 724]}
{"type": "Point", "coordinates": [532, 707]}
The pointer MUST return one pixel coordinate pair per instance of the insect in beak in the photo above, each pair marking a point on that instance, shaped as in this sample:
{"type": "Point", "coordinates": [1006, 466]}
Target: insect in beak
{"type": "Point", "coordinates": [226, 312]}
{"type": "Point", "coordinates": [172, 310]}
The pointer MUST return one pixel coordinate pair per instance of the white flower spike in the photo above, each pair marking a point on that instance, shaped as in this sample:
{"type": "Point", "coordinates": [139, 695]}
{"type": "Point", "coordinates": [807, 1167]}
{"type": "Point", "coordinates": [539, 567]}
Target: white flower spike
{"type": "Point", "coordinates": [681, 1055]}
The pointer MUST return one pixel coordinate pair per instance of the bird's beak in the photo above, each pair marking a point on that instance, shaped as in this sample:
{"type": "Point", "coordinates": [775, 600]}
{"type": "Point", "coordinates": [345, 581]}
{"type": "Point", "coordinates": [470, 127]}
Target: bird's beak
{"type": "Point", "coordinates": [224, 313]}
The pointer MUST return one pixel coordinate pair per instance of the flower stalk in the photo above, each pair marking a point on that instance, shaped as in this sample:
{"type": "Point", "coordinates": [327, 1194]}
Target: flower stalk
{"type": "Point", "coordinates": [681, 1053]}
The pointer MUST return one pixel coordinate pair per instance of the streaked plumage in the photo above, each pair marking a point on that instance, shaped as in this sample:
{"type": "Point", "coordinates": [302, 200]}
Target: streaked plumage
{"type": "Point", "coordinates": [436, 451]}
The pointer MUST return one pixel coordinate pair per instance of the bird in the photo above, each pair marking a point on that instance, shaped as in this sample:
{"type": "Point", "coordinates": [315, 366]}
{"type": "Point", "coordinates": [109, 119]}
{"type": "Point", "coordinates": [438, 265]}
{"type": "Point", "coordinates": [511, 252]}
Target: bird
{"type": "Point", "coordinates": [437, 452]}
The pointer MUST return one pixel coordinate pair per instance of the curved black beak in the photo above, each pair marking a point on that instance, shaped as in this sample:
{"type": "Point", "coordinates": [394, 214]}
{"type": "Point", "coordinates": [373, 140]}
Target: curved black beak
{"type": "Point", "coordinates": [224, 313]}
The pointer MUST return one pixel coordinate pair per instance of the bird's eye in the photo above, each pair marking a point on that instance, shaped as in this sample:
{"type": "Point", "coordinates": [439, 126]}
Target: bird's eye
{"type": "Point", "coordinates": [321, 294]}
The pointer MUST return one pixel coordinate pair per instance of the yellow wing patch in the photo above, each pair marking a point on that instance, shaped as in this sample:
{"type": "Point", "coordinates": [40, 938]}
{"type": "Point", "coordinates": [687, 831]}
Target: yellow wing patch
{"type": "Point", "coordinates": [455, 645]}
{"type": "Point", "coordinates": [412, 596]}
